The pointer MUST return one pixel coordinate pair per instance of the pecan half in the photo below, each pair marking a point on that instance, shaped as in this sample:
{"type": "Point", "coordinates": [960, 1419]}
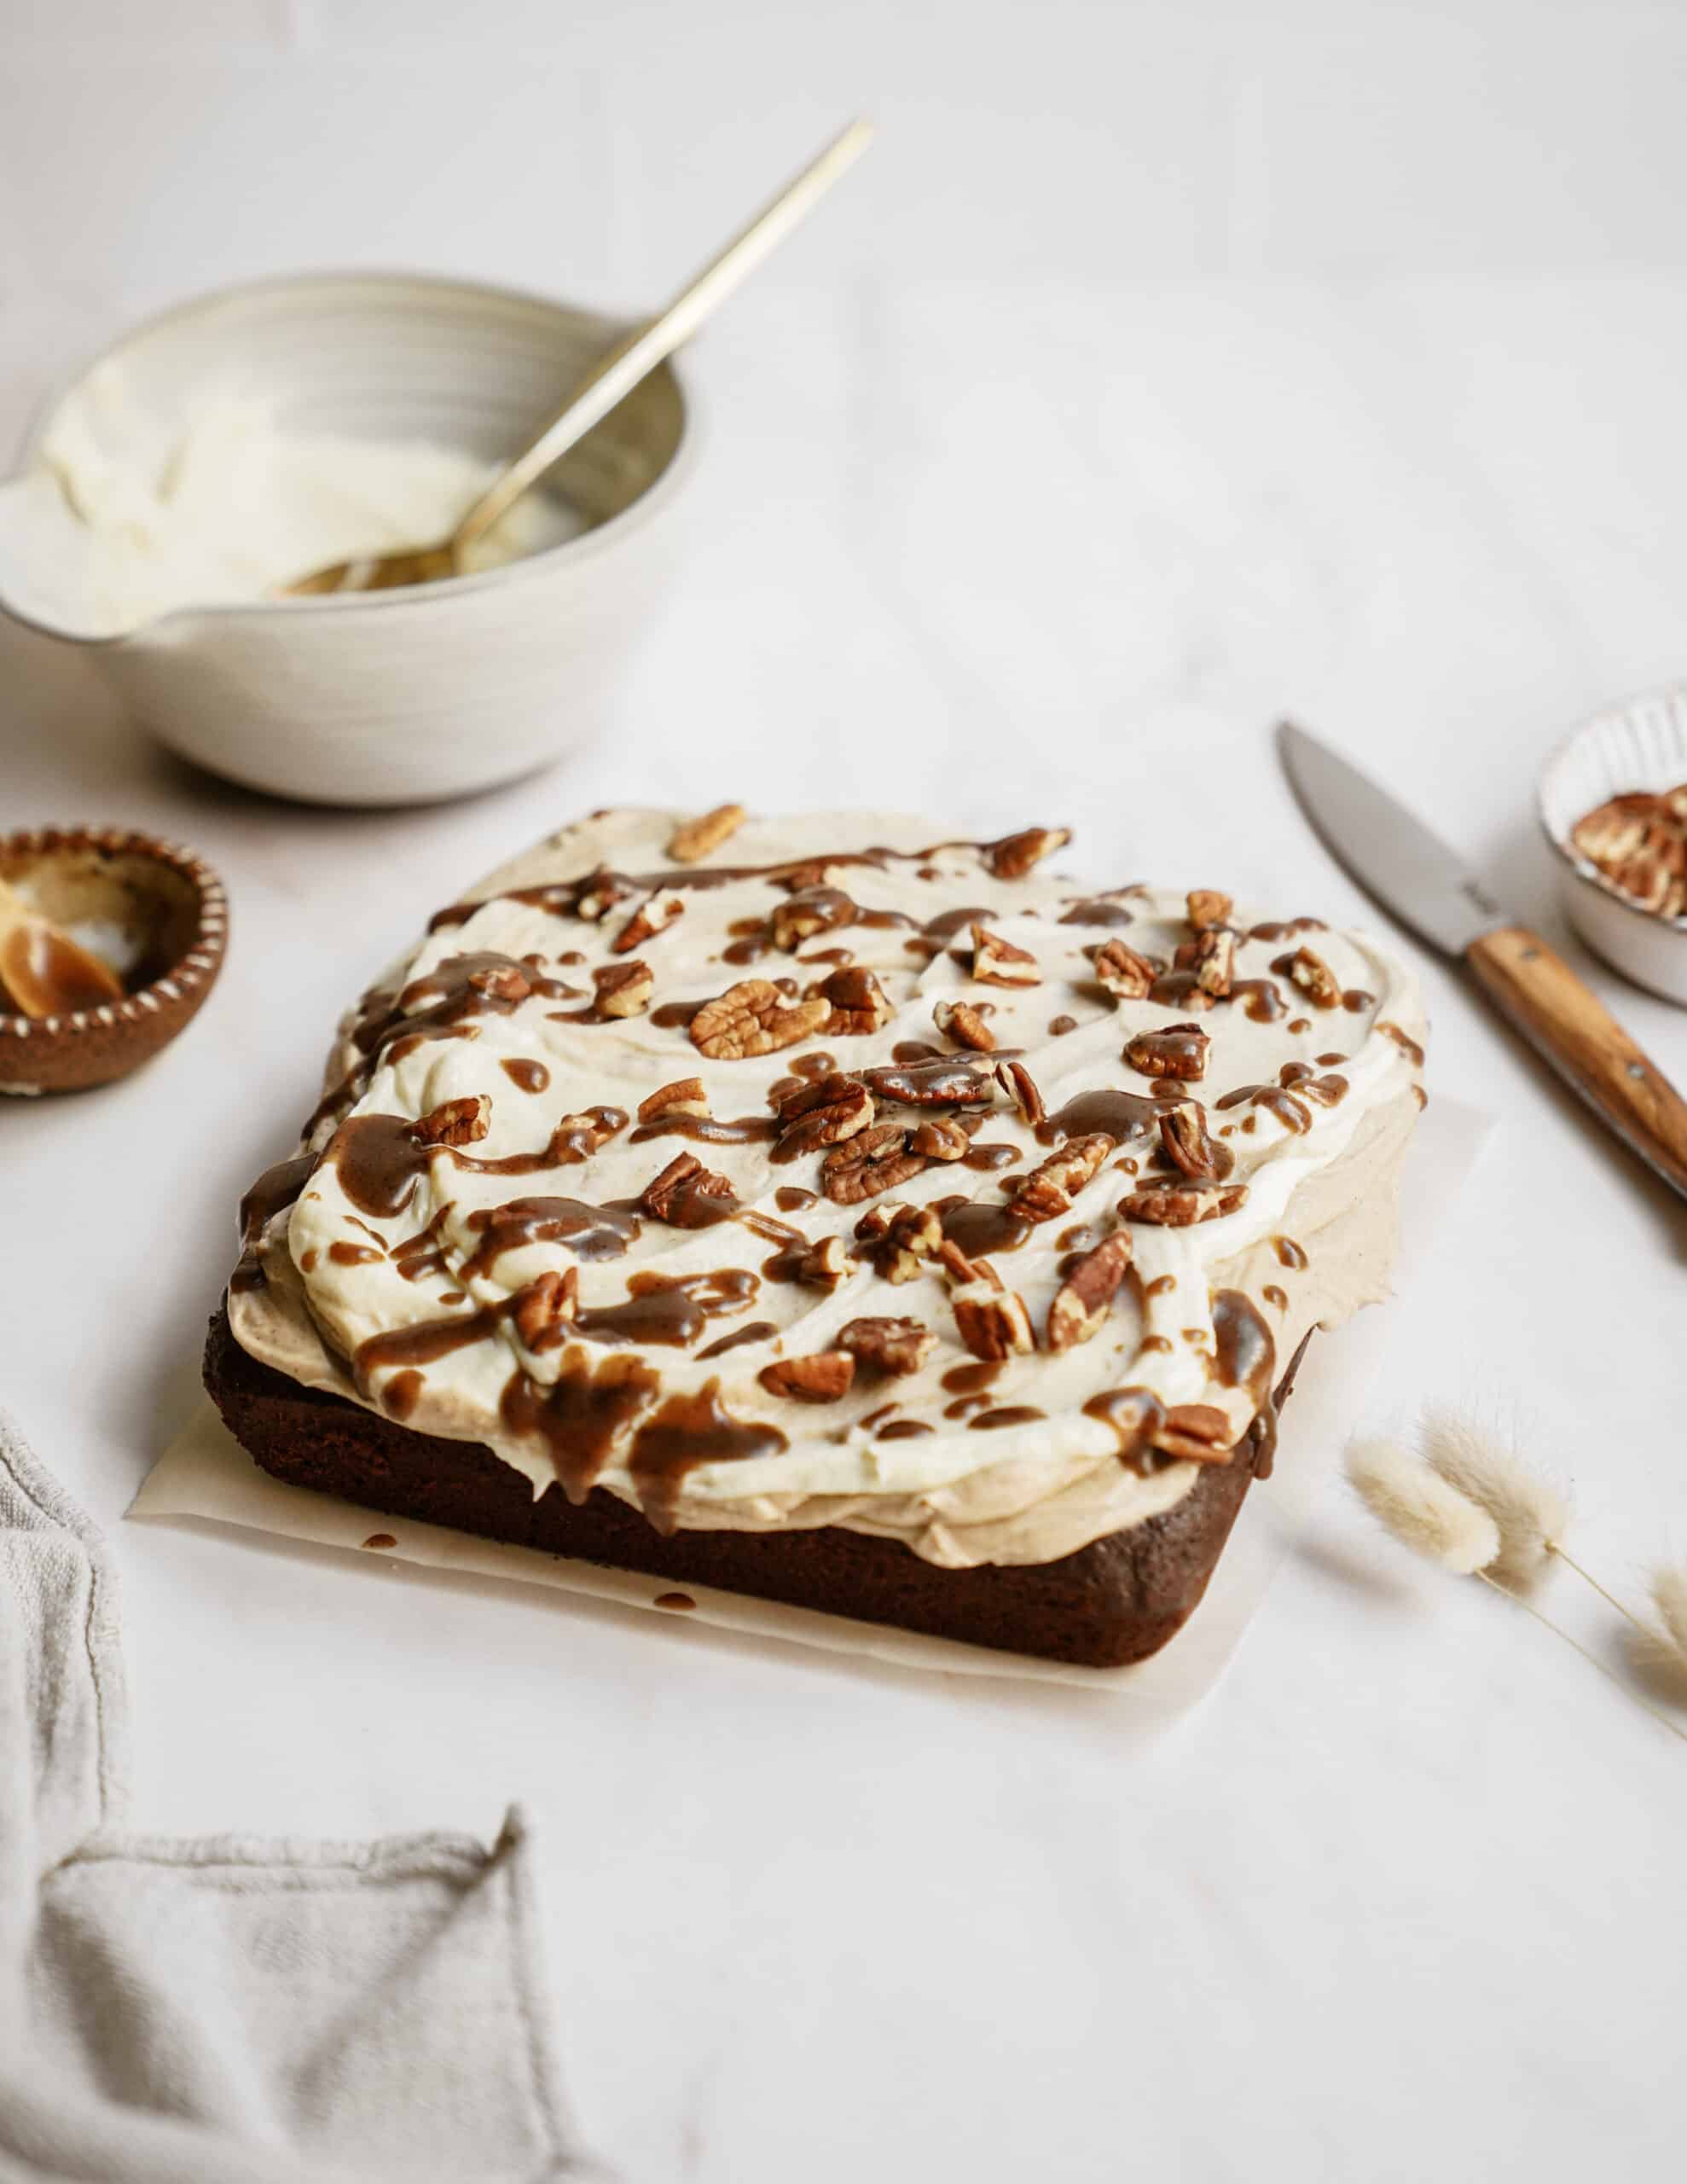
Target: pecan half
{"type": "Point", "coordinates": [1178, 1202]}
{"type": "Point", "coordinates": [577, 1137]}
{"type": "Point", "coordinates": [872, 1161]}
{"type": "Point", "coordinates": [858, 1002]}
{"type": "Point", "coordinates": [1180, 1050]}
{"type": "Point", "coordinates": [1049, 1189]}
{"type": "Point", "coordinates": [1215, 960]}
{"type": "Point", "coordinates": [1014, 855]}
{"type": "Point", "coordinates": [649, 920]}
{"type": "Point", "coordinates": [961, 1021]}
{"type": "Point", "coordinates": [547, 1308]}
{"type": "Point", "coordinates": [893, 1347]}
{"type": "Point", "coordinates": [501, 982]}
{"type": "Point", "coordinates": [686, 1195]}
{"type": "Point", "coordinates": [1122, 970]}
{"type": "Point", "coordinates": [1315, 979]}
{"type": "Point", "coordinates": [684, 1096]}
{"type": "Point", "coordinates": [822, 1377]}
{"type": "Point", "coordinates": [1639, 844]}
{"type": "Point", "coordinates": [1199, 1432]}
{"type": "Point", "coordinates": [1080, 1303]}
{"type": "Point", "coordinates": [1183, 1132]}
{"type": "Point", "coordinates": [901, 1237]}
{"type": "Point", "coordinates": [624, 988]}
{"type": "Point", "coordinates": [600, 892]}
{"type": "Point", "coordinates": [945, 1081]}
{"type": "Point", "coordinates": [824, 1112]}
{"type": "Point", "coordinates": [1208, 907]}
{"type": "Point", "coordinates": [939, 1137]}
{"type": "Point", "coordinates": [1020, 1086]}
{"type": "Point", "coordinates": [809, 910]}
{"type": "Point", "coordinates": [998, 962]}
{"type": "Point", "coordinates": [753, 1018]}
{"type": "Point", "coordinates": [697, 839]}
{"type": "Point", "coordinates": [456, 1122]}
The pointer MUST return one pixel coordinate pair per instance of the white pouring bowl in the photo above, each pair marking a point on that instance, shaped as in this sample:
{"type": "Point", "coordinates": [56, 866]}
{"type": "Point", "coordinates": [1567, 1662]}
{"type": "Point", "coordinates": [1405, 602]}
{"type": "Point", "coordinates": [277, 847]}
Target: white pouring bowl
{"type": "Point", "coordinates": [407, 696]}
{"type": "Point", "coordinates": [1639, 745]}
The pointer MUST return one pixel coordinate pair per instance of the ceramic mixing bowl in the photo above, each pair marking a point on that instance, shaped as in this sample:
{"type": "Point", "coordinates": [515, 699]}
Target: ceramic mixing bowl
{"type": "Point", "coordinates": [405, 696]}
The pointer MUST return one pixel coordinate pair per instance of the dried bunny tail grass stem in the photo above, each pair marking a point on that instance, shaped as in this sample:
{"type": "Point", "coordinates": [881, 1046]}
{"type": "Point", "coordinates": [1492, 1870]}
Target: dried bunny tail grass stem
{"type": "Point", "coordinates": [1421, 1509]}
{"type": "Point", "coordinates": [1531, 1509]}
{"type": "Point", "coordinates": [1532, 1512]}
{"type": "Point", "coordinates": [1665, 1639]}
{"type": "Point", "coordinates": [1547, 1623]}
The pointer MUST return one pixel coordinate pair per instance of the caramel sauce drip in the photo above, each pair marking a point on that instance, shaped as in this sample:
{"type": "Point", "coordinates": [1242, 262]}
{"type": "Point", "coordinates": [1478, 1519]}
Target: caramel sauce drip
{"type": "Point", "coordinates": [903, 1429]}
{"type": "Point", "coordinates": [423, 1343]}
{"type": "Point", "coordinates": [970, 1379]}
{"type": "Point", "coordinates": [277, 1187]}
{"type": "Point", "coordinates": [1289, 1253]}
{"type": "Point", "coordinates": [1015, 1413]}
{"type": "Point", "coordinates": [1097, 910]}
{"type": "Point", "coordinates": [57, 977]}
{"type": "Point", "coordinates": [670, 1310]}
{"type": "Point", "coordinates": [1135, 1416]}
{"type": "Point", "coordinates": [527, 1076]}
{"type": "Point", "coordinates": [1244, 1354]}
{"type": "Point", "coordinates": [1121, 1116]}
{"type": "Point", "coordinates": [756, 1331]}
{"type": "Point", "coordinates": [704, 1129]}
{"type": "Point", "coordinates": [979, 1230]}
{"type": "Point", "coordinates": [687, 1430]}
{"type": "Point", "coordinates": [583, 1415]}
{"type": "Point", "coordinates": [1407, 1045]}
{"type": "Point", "coordinates": [590, 1232]}
{"type": "Point", "coordinates": [943, 1081]}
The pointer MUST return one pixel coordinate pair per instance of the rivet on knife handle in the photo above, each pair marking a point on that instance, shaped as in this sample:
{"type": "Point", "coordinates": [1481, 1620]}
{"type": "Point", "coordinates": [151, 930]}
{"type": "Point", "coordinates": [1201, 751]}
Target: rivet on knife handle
{"type": "Point", "coordinates": [1569, 1025]}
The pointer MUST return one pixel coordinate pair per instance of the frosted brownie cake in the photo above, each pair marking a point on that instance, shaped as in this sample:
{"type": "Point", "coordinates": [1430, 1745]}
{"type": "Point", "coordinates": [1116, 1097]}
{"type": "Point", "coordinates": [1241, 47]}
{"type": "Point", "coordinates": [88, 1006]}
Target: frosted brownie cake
{"type": "Point", "coordinates": [832, 1211]}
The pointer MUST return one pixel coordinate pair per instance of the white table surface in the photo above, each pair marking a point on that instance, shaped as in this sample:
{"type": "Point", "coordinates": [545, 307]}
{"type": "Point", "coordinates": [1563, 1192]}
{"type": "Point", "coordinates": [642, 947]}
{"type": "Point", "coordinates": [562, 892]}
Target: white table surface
{"type": "Point", "coordinates": [1405, 1896]}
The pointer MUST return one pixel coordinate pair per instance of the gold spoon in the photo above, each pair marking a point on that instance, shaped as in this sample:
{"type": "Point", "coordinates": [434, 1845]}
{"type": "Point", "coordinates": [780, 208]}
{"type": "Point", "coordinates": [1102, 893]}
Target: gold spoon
{"type": "Point", "coordinates": [42, 969]}
{"type": "Point", "coordinates": [612, 377]}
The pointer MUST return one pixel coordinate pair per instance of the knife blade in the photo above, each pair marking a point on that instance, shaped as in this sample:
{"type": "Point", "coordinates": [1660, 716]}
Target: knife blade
{"type": "Point", "coordinates": [1412, 873]}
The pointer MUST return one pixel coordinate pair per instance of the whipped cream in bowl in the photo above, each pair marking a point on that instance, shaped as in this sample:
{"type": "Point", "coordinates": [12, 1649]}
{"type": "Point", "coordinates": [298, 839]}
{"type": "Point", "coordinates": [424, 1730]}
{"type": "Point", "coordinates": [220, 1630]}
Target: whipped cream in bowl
{"type": "Point", "coordinates": [848, 1175]}
{"type": "Point", "coordinates": [231, 445]}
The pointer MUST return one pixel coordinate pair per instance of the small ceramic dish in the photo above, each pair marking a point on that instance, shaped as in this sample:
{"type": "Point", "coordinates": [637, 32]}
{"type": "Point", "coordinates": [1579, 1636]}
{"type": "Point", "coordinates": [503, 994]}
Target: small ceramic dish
{"type": "Point", "coordinates": [1640, 744]}
{"type": "Point", "coordinates": [404, 696]}
{"type": "Point", "coordinates": [156, 915]}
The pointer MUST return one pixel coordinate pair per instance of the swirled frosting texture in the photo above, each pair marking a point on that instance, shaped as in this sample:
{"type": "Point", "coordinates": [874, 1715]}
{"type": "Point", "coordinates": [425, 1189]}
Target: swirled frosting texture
{"type": "Point", "coordinates": [404, 1274]}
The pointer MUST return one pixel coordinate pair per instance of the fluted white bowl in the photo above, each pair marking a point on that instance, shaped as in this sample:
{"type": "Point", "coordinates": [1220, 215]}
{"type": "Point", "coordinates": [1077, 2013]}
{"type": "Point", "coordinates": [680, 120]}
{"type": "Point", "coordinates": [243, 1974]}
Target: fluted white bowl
{"type": "Point", "coordinates": [1640, 744]}
{"type": "Point", "coordinates": [406, 696]}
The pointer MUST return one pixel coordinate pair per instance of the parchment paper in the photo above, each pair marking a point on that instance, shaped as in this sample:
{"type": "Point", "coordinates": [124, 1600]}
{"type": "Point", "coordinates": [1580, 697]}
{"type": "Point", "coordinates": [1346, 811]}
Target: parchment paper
{"type": "Point", "coordinates": [205, 1472]}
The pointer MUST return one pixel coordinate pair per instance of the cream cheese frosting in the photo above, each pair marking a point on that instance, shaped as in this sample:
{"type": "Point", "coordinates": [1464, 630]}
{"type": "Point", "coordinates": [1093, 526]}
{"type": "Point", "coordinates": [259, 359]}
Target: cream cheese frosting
{"type": "Point", "coordinates": [420, 1279]}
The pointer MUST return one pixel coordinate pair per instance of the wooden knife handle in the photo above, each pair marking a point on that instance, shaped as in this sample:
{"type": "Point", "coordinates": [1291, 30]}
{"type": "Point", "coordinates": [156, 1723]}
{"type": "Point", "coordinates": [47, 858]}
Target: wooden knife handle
{"type": "Point", "coordinates": [1570, 1027]}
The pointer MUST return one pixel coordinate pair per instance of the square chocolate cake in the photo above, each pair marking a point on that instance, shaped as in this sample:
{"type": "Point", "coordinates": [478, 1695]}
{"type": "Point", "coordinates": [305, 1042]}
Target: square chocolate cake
{"type": "Point", "coordinates": [828, 1210]}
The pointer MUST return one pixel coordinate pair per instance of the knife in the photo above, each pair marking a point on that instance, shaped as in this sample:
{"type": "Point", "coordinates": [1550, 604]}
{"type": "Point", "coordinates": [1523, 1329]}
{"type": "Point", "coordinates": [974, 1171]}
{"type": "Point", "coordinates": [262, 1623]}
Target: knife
{"type": "Point", "coordinates": [1417, 880]}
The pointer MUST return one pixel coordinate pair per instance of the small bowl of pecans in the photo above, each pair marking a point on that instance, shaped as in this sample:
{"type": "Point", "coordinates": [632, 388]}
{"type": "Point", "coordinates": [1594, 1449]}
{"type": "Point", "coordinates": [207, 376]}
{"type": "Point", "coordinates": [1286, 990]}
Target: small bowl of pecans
{"type": "Point", "coordinates": [1613, 803]}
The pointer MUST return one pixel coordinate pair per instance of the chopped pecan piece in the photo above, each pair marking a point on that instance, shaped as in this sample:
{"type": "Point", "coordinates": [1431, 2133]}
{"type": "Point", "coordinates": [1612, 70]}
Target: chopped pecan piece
{"type": "Point", "coordinates": [547, 1308]}
{"type": "Point", "coordinates": [501, 982]}
{"type": "Point", "coordinates": [699, 838]}
{"type": "Point", "coordinates": [891, 1346]}
{"type": "Point", "coordinates": [872, 1161]}
{"type": "Point", "coordinates": [858, 1002]}
{"type": "Point", "coordinates": [961, 1021]}
{"type": "Point", "coordinates": [577, 1137]}
{"type": "Point", "coordinates": [1014, 855]}
{"type": "Point", "coordinates": [1122, 970]}
{"type": "Point", "coordinates": [1048, 1190]}
{"type": "Point", "coordinates": [1315, 979]}
{"type": "Point", "coordinates": [823, 1112]}
{"type": "Point", "coordinates": [1215, 960]}
{"type": "Point", "coordinates": [600, 892]}
{"type": "Point", "coordinates": [754, 1018]}
{"type": "Point", "coordinates": [457, 1122]}
{"type": "Point", "coordinates": [624, 988]}
{"type": "Point", "coordinates": [822, 1377]}
{"type": "Point", "coordinates": [1080, 1303]}
{"type": "Point", "coordinates": [946, 1081]}
{"type": "Point", "coordinates": [1180, 1050]}
{"type": "Point", "coordinates": [684, 1096]}
{"type": "Point", "coordinates": [686, 1195]}
{"type": "Point", "coordinates": [649, 920]}
{"type": "Point", "coordinates": [1639, 844]}
{"type": "Point", "coordinates": [1020, 1086]}
{"type": "Point", "coordinates": [1178, 1202]}
{"type": "Point", "coordinates": [1208, 907]}
{"type": "Point", "coordinates": [998, 962]}
{"type": "Point", "coordinates": [1183, 1132]}
{"type": "Point", "coordinates": [809, 911]}
{"type": "Point", "coordinates": [939, 1137]}
{"type": "Point", "coordinates": [825, 1265]}
{"type": "Point", "coordinates": [990, 1320]}
{"type": "Point", "coordinates": [901, 1236]}
{"type": "Point", "coordinates": [1198, 1433]}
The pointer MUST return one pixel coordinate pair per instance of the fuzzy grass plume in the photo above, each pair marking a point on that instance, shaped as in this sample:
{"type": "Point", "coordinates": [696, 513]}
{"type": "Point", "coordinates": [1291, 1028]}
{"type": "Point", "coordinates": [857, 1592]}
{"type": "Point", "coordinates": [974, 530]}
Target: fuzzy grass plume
{"type": "Point", "coordinates": [1421, 1509]}
{"type": "Point", "coordinates": [1531, 1510]}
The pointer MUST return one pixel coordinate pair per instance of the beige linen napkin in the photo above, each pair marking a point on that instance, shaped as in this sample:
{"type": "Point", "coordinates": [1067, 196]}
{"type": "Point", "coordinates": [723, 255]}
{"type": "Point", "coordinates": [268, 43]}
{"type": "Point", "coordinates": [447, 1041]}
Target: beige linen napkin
{"type": "Point", "coordinates": [228, 2011]}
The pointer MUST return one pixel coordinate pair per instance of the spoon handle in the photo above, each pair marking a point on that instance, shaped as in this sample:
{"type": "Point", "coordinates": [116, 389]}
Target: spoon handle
{"type": "Point", "coordinates": [642, 349]}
